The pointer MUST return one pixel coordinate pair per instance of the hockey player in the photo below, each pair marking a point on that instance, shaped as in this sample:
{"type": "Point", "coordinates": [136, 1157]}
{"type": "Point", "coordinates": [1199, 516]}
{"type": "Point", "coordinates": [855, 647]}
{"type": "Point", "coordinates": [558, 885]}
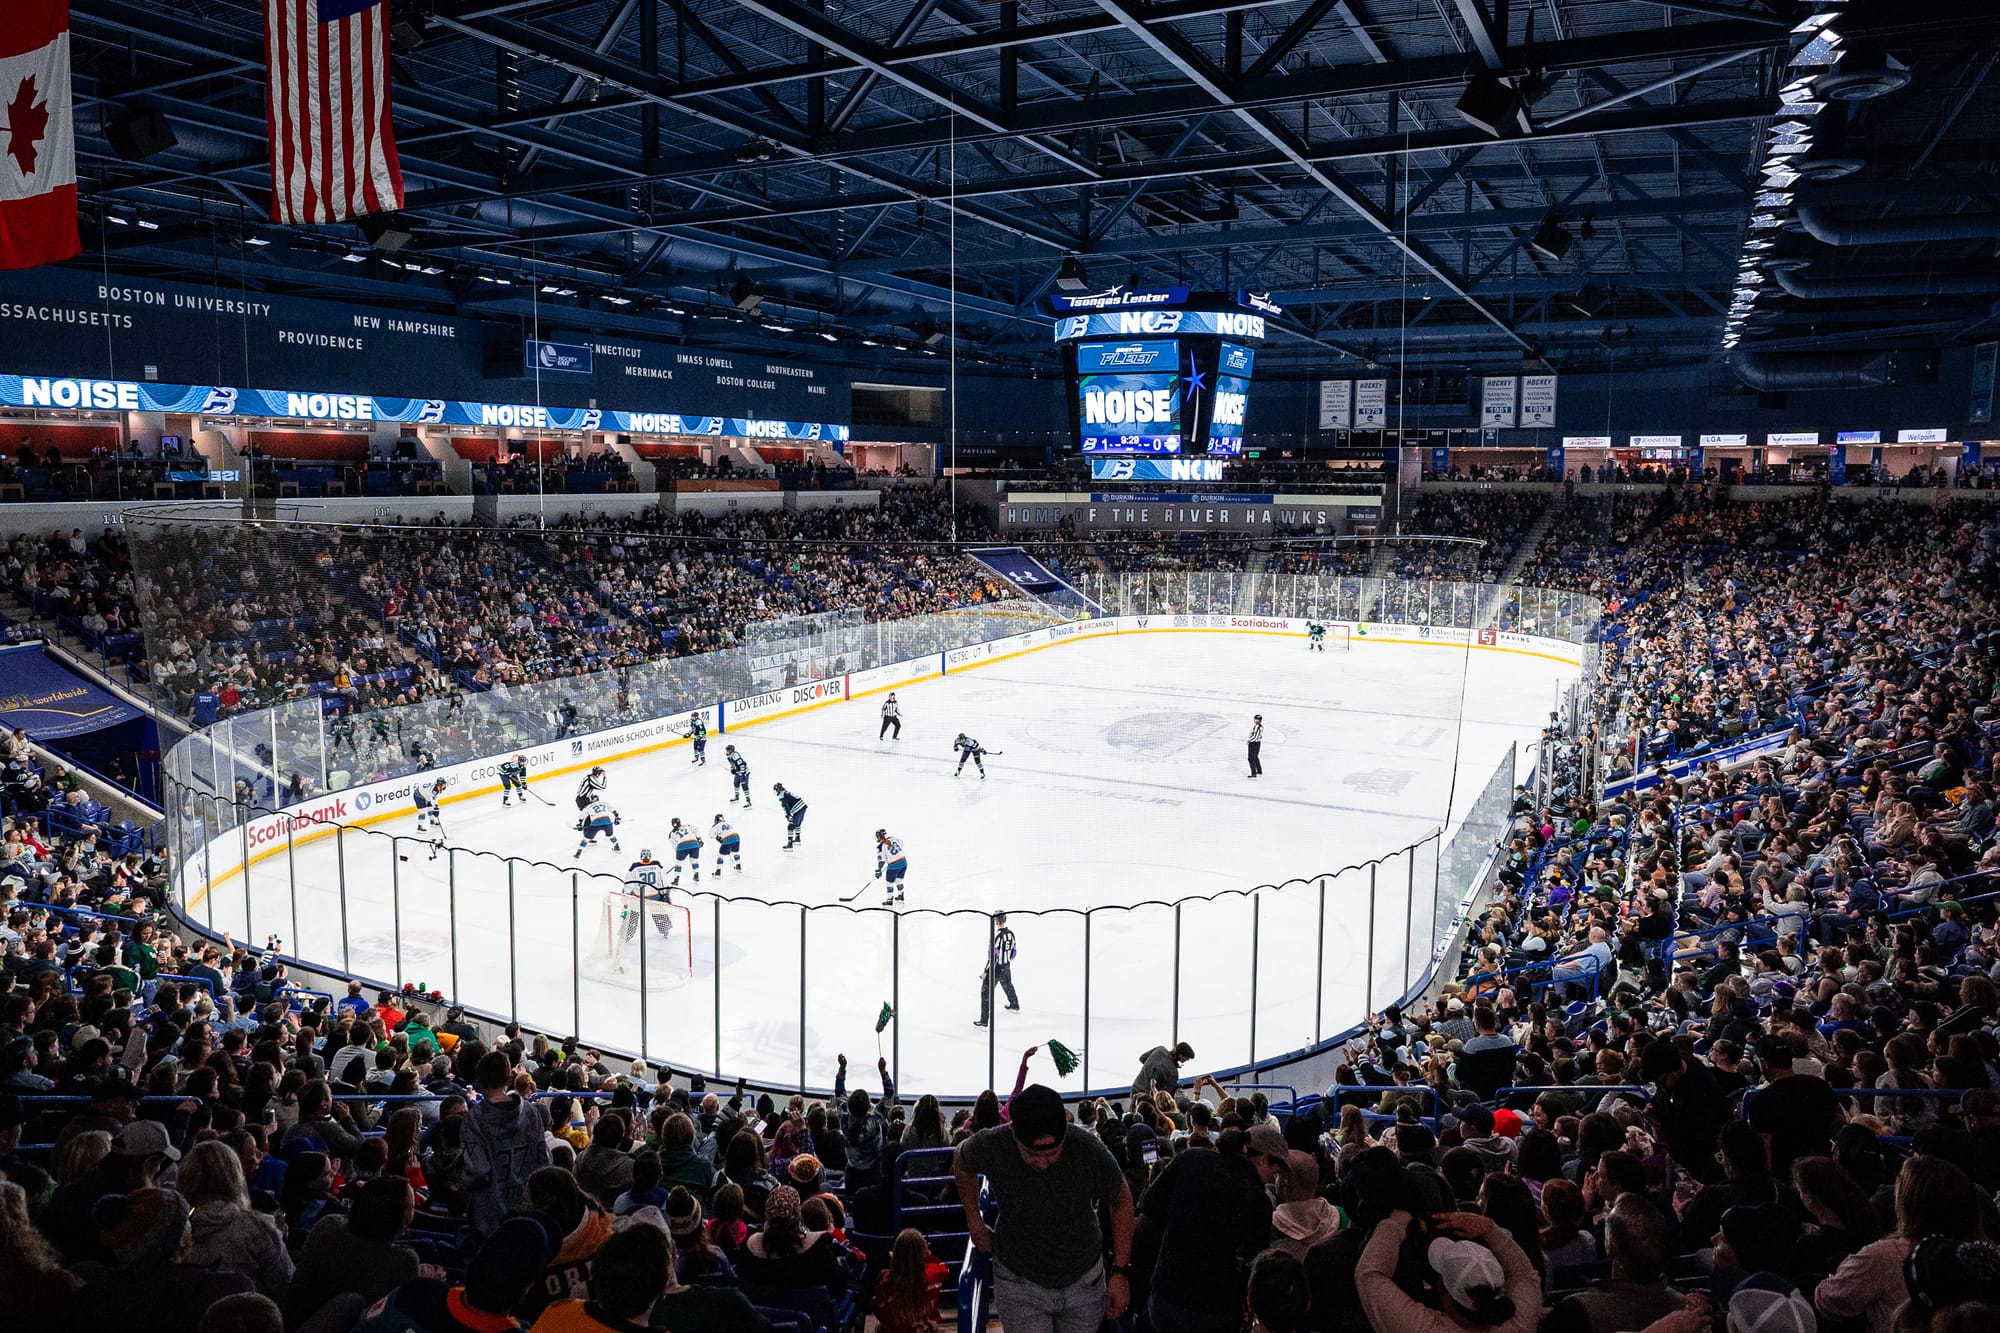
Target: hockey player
{"type": "Point", "coordinates": [890, 866]}
{"type": "Point", "coordinates": [687, 848]}
{"type": "Point", "coordinates": [728, 844]}
{"type": "Point", "coordinates": [969, 748]}
{"type": "Point", "coordinates": [892, 716]}
{"type": "Point", "coordinates": [514, 779]}
{"type": "Point", "coordinates": [645, 873]}
{"type": "Point", "coordinates": [643, 876]}
{"type": "Point", "coordinates": [795, 814]}
{"type": "Point", "coordinates": [598, 818]}
{"type": "Point", "coordinates": [698, 733]}
{"type": "Point", "coordinates": [426, 795]}
{"type": "Point", "coordinates": [739, 775]}
{"type": "Point", "coordinates": [591, 788]}
{"type": "Point", "coordinates": [1315, 637]}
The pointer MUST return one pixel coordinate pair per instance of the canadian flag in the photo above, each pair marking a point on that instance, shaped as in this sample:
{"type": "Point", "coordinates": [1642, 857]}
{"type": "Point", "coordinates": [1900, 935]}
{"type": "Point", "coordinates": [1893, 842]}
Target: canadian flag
{"type": "Point", "coordinates": [37, 136]}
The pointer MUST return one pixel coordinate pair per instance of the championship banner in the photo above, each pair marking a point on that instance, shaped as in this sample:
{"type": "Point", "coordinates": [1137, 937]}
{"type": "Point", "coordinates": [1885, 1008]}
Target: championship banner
{"type": "Point", "coordinates": [1336, 404]}
{"type": "Point", "coordinates": [1371, 404]}
{"type": "Point", "coordinates": [1538, 400]}
{"type": "Point", "coordinates": [1496, 399]}
{"type": "Point", "coordinates": [1984, 357]}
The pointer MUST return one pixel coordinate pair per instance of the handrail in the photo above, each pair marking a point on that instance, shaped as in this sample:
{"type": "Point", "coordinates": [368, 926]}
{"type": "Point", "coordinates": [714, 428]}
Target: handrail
{"type": "Point", "coordinates": [1586, 1090]}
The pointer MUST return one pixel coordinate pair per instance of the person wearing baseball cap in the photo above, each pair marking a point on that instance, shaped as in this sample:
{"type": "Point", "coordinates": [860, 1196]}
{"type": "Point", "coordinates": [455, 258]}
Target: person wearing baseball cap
{"type": "Point", "coordinates": [1767, 1303]}
{"type": "Point", "coordinates": [1484, 1280]}
{"type": "Point", "coordinates": [1051, 1179]}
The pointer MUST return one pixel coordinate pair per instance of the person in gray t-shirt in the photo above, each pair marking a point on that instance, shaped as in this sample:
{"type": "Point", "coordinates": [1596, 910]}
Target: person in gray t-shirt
{"type": "Point", "coordinates": [1049, 1178]}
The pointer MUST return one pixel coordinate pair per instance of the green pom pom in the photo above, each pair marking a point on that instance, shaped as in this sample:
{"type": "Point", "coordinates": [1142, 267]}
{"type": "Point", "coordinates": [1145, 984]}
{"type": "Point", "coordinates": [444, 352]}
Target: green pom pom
{"type": "Point", "coordinates": [1066, 1059]}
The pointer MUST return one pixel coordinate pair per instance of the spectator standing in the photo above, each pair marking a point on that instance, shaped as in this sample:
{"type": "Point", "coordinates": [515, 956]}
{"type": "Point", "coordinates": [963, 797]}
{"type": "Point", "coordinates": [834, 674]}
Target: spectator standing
{"type": "Point", "coordinates": [505, 1139]}
{"type": "Point", "coordinates": [1212, 1216]}
{"type": "Point", "coordinates": [1050, 1179]}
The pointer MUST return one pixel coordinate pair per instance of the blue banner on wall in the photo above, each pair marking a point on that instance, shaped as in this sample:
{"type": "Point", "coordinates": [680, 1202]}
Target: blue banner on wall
{"type": "Point", "coordinates": [1836, 466]}
{"type": "Point", "coordinates": [46, 701]}
{"type": "Point", "coordinates": [1440, 459]}
{"type": "Point", "coordinates": [223, 401]}
{"type": "Point", "coordinates": [1697, 460]}
{"type": "Point", "coordinates": [1557, 456]}
{"type": "Point", "coordinates": [59, 321]}
{"type": "Point", "coordinates": [1969, 453]}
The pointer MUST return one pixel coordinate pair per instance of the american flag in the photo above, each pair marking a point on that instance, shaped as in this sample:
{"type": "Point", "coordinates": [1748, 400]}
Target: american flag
{"type": "Point", "coordinates": [333, 148]}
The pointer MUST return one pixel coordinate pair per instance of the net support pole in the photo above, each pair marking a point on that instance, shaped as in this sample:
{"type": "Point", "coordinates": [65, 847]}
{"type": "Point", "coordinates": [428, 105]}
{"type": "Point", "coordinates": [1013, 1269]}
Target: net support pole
{"type": "Point", "coordinates": [396, 907]}
{"type": "Point", "coordinates": [645, 994]}
{"type": "Point", "coordinates": [896, 994]}
{"type": "Point", "coordinates": [243, 839]}
{"type": "Point", "coordinates": [802, 997]}
{"type": "Point", "coordinates": [1256, 927]}
{"type": "Point", "coordinates": [1319, 965]}
{"type": "Point", "coordinates": [715, 948]}
{"type": "Point", "coordinates": [575, 959]}
{"type": "Point", "coordinates": [1368, 985]}
{"type": "Point", "coordinates": [292, 882]}
{"type": "Point", "coordinates": [1410, 919]}
{"type": "Point", "coordinates": [1085, 1071]}
{"type": "Point", "coordinates": [340, 873]}
{"type": "Point", "coordinates": [451, 910]}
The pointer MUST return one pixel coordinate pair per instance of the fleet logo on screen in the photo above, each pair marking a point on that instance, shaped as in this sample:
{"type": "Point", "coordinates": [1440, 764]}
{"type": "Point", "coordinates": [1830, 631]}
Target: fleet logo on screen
{"type": "Point", "coordinates": [1126, 356]}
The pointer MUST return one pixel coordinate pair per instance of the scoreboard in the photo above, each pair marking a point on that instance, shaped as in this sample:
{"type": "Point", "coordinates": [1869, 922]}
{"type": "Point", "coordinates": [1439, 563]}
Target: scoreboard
{"type": "Point", "coordinates": [1163, 372]}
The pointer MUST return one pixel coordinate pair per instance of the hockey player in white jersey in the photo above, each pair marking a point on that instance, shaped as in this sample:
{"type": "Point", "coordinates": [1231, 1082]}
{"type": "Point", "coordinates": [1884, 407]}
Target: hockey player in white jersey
{"type": "Point", "coordinates": [890, 866]}
{"type": "Point", "coordinates": [427, 795]}
{"type": "Point", "coordinates": [643, 877]}
{"type": "Point", "coordinates": [598, 818]}
{"type": "Point", "coordinates": [728, 844]}
{"type": "Point", "coordinates": [687, 850]}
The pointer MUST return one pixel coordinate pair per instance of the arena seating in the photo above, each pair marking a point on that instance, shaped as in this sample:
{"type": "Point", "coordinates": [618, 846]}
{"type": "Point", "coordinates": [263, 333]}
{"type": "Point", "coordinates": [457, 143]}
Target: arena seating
{"type": "Point", "coordinates": [1729, 1018]}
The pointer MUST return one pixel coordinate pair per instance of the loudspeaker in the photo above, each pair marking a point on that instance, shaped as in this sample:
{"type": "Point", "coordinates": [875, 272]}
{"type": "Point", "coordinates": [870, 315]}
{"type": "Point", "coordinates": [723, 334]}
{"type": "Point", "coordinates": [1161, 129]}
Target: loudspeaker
{"type": "Point", "coordinates": [140, 135]}
{"type": "Point", "coordinates": [386, 231]}
{"type": "Point", "coordinates": [1550, 241]}
{"type": "Point", "coordinates": [1490, 104]}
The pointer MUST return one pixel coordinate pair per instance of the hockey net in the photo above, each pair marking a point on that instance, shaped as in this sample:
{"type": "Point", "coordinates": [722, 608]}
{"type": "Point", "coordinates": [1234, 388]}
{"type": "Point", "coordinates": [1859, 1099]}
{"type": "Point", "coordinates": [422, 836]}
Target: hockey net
{"type": "Point", "coordinates": [668, 931]}
{"type": "Point", "coordinates": [1339, 638]}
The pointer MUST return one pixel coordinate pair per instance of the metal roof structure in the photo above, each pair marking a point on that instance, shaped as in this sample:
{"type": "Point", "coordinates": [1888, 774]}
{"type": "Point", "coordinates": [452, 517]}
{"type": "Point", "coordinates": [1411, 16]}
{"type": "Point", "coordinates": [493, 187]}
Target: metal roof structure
{"type": "Point", "coordinates": [1457, 181]}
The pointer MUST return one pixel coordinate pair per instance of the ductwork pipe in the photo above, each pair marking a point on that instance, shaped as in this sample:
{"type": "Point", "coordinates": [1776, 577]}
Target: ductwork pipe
{"type": "Point", "coordinates": [1776, 372]}
{"type": "Point", "coordinates": [1822, 226]}
{"type": "Point", "coordinates": [1834, 289]}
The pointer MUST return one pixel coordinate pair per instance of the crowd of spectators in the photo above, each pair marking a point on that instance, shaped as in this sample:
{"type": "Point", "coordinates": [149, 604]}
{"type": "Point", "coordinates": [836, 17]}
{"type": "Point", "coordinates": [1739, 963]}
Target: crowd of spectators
{"type": "Point", "coordinates": [1719, 1053]}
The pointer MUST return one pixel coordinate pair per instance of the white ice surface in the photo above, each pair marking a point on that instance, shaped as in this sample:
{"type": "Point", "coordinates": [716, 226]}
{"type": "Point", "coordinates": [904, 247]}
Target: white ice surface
{"type": "Point", "coordinates": [1121, 780]}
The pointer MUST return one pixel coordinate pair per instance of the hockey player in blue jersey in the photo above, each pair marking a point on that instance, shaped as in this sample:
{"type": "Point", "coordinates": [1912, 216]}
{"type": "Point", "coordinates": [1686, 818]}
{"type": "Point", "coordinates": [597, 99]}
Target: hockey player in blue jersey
{"type": "Point", "coordinates": [739, 776]}
{"type": "Point", "coordinates": [728, 844]}
{"type": "Point", "coordinates": [599, 818]}
{"type": "Point", "coordinates": [698, 733]}
{"type": "Point", "coordinates": [514, 779]}
{"type": "Point", "coordinates": [426, 795]}
{"type": "Point", "coordinates": [890, 866]}
{"type": "Point", "coordinates": [795, 814]}
{"type": "Point", "coordinates": [687, 850]}
{"type": "Point", "coordinates": [969, 748]}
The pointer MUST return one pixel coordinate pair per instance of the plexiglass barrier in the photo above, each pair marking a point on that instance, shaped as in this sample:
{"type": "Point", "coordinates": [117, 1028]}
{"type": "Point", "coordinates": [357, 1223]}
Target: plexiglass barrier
{"type": "Point", "coordinates": [773, 992]}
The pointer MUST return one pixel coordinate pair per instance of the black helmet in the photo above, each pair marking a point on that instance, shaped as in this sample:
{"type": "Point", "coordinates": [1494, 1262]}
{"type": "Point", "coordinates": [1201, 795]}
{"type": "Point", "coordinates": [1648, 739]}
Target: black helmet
{"type": "Point", "coordinates": [777, 786]}
{"type": "Point", "coordinates": [881, 833]}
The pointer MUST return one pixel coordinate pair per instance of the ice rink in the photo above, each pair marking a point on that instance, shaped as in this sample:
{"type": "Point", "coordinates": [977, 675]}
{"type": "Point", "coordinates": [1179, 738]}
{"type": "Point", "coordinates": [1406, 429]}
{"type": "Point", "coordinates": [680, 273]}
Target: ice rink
{"type": "Point", "coordinates": [1118, 780]}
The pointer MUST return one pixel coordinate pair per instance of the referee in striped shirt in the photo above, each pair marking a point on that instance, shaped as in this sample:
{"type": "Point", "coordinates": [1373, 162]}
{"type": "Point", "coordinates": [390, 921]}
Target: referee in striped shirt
{"type": "Point", "coordinates": [999, 970]}
{"type": "Point", "coordinates": [1256, 746]}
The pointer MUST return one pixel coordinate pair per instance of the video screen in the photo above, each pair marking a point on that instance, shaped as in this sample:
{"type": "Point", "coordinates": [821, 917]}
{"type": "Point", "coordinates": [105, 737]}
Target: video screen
{"type": "Point", "coordinates": [1232, 398]}
{"type": "Point", "coordinates": [1129, 395]}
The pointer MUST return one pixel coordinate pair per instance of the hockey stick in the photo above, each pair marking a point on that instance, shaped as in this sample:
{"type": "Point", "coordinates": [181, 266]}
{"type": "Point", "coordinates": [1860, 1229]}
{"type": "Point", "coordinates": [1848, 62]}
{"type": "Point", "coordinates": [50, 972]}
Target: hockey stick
{"type": "Point", "coordinates": [863, 889]}
{"type": "Point", "coordinates": [538, 796]}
